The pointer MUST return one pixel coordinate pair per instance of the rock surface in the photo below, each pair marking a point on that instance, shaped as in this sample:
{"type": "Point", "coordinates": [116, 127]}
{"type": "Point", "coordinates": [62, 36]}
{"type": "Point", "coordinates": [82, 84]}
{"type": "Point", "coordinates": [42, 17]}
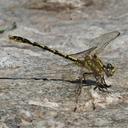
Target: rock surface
{"type": "Point", "coordinates": [37, 88]}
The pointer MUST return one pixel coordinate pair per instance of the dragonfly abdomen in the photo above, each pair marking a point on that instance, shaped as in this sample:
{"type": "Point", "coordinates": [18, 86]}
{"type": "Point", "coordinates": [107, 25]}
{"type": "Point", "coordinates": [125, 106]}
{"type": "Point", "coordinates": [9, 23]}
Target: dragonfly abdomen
{"type": "Point", "coordinates": [54, 51]}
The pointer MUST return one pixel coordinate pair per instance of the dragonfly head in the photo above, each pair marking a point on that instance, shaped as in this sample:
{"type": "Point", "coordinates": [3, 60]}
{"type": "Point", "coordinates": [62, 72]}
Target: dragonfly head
{"type": "Point", "coordinates": [109, 70]}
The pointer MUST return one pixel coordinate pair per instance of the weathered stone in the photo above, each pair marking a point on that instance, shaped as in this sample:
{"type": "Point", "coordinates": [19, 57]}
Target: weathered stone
{"type": "Point", "coordinates": [37, 88]}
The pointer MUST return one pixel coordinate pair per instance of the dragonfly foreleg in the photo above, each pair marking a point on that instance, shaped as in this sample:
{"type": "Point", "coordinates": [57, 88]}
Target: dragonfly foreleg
{"type": "Point", "coordinates": [101, 84]}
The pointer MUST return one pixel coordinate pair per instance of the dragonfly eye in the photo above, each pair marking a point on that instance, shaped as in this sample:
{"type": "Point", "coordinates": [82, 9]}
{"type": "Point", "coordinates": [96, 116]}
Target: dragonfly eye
{"type": "Point", "coordinates": [109, 69]}
{"type": "Point", "coordinates": [109, 66]}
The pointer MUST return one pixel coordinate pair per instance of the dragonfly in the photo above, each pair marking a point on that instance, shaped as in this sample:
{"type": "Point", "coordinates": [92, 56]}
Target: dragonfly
{"type": "Point", "coordinates": [87, 59]}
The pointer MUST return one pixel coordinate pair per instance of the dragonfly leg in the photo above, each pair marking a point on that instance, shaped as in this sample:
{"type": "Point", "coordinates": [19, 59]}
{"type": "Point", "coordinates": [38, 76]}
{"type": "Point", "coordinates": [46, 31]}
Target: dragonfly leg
{"type": "Point", "coordinates": [78, 92]}
{"type": "Point", "coordinates": [86, 74]}
{"type": "Point", "coordinates": [103, 81]}
{"type": "Point", "coordinates": [101, 84]}
{"type": "Point", "coordinates": [79, 88]}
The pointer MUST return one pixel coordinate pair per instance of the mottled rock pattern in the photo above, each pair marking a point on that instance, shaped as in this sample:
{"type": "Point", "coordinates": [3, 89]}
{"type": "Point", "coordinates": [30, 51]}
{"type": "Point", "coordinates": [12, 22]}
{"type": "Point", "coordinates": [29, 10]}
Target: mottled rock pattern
{"type": "Point", "coordinates": [35, 91]}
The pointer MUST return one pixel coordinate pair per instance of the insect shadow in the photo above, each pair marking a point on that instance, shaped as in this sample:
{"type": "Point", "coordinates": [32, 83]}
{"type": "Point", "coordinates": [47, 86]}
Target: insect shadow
{"type": "Point", "coordinates": [87, 82]}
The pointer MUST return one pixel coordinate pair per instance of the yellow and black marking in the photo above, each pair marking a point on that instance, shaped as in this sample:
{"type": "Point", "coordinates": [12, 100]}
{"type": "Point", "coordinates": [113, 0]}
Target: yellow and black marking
{"type": "Point", "coordinates": [44, 47]}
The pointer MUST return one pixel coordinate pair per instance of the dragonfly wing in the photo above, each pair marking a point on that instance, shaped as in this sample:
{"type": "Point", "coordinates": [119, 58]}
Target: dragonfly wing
{"type": "Point", "coordinates": [102, 41]}
{"type": "Point", "coordinates": [83, 54]}
{"type": "Point", "coordinates": [98, 43]}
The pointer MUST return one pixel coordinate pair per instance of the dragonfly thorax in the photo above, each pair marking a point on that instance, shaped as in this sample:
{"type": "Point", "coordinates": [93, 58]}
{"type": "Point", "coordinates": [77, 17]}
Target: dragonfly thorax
{"type": "Point", "coordinates": [94, 64]}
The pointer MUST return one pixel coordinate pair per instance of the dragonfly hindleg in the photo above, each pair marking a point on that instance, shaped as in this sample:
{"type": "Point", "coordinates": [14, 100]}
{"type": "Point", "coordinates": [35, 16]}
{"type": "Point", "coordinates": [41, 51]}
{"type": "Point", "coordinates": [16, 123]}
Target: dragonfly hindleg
{"type": "Point", "coordinates": [78, 92]}
{"type": "Point", "coordinates": [87, 74]}
{"type": "Point", "coordinates": [79, 88]}
{"type": "Point", "coordinates": [83, 77]}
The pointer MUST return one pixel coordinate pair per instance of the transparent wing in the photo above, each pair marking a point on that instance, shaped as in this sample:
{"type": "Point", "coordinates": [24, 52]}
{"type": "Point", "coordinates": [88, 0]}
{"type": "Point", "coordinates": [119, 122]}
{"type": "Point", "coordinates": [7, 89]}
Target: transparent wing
{"type": "Point", "coordinates": [103, 40]}
{"type": "Point", "coordinates": [98, 44]}
{"type": "Point", "coordinates": [81, 55]}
